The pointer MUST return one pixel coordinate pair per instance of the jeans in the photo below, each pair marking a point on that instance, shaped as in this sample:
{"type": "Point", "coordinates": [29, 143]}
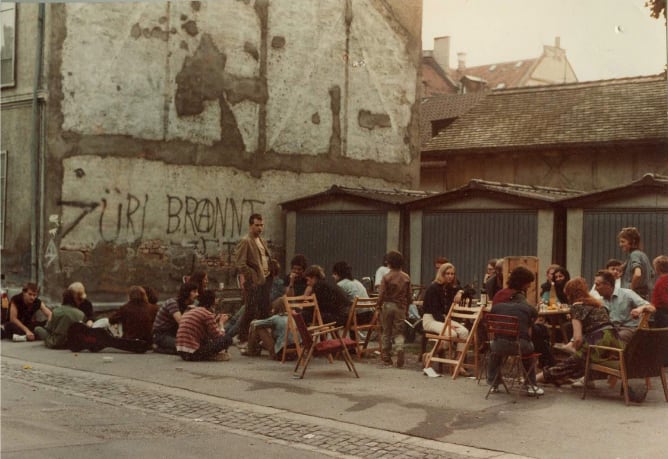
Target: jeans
{"type": "Point", "coordinates": [503, 347]}
{"type": "Point", "coordinates": [165, 343]}
{"type": "Point", "coordinates": [207, 349]}
{"type": "Point", "coordinates": [257, 306]}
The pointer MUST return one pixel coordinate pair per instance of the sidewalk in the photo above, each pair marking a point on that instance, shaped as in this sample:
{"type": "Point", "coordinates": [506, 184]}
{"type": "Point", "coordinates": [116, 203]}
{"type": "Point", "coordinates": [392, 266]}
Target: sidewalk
{"type": "Point", "coordinates": [402, 408]}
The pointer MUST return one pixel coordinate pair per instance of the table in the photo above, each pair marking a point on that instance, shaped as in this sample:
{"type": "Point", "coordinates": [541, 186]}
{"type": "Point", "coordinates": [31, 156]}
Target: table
{"type": "Point", "coordinates": [556, 319]}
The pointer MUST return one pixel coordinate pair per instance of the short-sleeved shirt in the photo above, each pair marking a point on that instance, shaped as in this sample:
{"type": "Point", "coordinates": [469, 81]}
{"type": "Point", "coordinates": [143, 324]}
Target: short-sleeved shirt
{"type": "Point", "coordinates": [353, 288]}
{"type": "Point", "coordinates": [592, 317]}
{"type": "Point", "coordinates": [164, 320]}
{"type": "Point", "coordinates": [25, 311]}
{"type": "Point", "coordinates": [638, 259]}
{"type": "Point", "coordinates": [620, 304]}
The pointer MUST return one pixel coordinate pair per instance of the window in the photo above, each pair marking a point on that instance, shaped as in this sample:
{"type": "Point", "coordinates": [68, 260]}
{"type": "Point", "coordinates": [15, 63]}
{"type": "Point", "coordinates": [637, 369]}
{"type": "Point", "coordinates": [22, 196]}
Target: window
{"type": "Point", "coordinates": [7, 44]}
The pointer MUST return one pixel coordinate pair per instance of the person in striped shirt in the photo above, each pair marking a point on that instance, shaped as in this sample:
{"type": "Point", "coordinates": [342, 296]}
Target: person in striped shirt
{"type": "Point", "coordinates": [201, 336]}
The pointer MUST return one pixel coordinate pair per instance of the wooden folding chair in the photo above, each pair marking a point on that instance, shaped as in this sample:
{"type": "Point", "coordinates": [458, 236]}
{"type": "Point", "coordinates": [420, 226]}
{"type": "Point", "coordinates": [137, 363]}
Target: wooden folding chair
{"type": "Point", "coordinates": [362, 333]}
{"type": "Point", "coordinates": [448, 336]}
{"type": "Point", "coordinates": [302, 303]}
{"type": "Point", "coordinates": [322, 339]}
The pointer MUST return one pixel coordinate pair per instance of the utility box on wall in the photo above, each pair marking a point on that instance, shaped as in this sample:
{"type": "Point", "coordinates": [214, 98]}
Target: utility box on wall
{"type": "Point", "coordinates": [531, 263]}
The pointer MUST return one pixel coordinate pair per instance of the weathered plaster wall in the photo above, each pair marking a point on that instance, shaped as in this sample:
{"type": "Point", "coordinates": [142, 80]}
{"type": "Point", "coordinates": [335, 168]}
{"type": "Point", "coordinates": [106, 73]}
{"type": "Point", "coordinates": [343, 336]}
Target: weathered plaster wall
{"type": "Point", "coordinates": [171, 123]}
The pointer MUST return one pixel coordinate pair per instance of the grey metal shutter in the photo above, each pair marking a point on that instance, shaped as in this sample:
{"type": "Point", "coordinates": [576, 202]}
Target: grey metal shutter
{"type": "Point", "coordinates": [468, 239]}
{"type": "Point", "coordinates": [358, 238]}
{"type": "Point", "coordinates": [600, 236]}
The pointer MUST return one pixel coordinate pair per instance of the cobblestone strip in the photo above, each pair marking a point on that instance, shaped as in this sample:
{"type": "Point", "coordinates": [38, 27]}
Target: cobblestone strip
{"type": "Point", "coordinates": [300, 434]}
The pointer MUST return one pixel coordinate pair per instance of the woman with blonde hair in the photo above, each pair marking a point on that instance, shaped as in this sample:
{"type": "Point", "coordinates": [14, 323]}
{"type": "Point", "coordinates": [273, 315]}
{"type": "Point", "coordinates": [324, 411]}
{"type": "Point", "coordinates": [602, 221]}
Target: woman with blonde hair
{"type": "Point", "coordinates": [591, 325]}
{"type": "Point", "coordinates": [438, 298]}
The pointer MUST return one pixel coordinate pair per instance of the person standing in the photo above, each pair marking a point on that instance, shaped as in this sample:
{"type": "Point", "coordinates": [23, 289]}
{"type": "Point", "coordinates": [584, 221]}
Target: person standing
{"type": "Point", "coordinates": [394, 296]}
{"type": "Point", "coordinates": [638, 273]}
{"type": "Point", "coordinates": [252, 260]}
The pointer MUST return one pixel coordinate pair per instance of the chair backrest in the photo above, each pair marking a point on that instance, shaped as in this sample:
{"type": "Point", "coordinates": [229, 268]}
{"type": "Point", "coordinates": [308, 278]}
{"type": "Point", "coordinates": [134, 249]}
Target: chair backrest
{"type": "Point", "coordinates": [645, 352]}
{"type": "Point", "coordinates": [306, 339]}
{"type": "Point", "coordinates": [503, 325]}
{"type": "Point", "coordinates": [305, 304]}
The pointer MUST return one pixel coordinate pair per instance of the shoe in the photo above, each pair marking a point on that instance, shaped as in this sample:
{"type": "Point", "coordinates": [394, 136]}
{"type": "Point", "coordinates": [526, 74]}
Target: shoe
{"type": "Point", "coordinates": [580, 383]}
{"type": "Point", "coordinates": [494, 390]}
{"type": "Point", "coordinates": [400, 359]}
{"type": "Point", "coordinates": [534, 391]}
{"type": "Point", "coordinates": [242, 345]}
{"type": "Point", "coordinates": [222, 356]}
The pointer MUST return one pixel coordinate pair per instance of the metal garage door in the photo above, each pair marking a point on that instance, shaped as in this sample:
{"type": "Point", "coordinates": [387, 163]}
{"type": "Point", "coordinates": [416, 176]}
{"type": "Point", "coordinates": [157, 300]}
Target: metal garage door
{"type": "Point", "coordinates": [469, 239]}
{"type": "Point", "coordinates": [358, 238]}
{"type": "Point", "coordinates": [600, 236]}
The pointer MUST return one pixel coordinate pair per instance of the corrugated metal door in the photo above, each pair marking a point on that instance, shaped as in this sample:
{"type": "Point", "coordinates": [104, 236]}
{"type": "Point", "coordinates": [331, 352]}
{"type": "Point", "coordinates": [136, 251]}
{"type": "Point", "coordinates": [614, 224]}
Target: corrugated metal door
{"type": "Point", "coordinates": [358, 238]}
{"type": "Point", "coordinates": [600, 236]}
{"type": "Point", "coordinates": [469, 239]}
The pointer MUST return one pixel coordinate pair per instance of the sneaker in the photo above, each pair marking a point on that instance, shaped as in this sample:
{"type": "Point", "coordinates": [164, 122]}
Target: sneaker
{"type": "Point", "coordinates": [400, 359]}
{"type": "Point", "coordinates": [494, 390]}
{"type": "Point", "coordinates": [580, 383]}
{"type": "Point", "coordinates": [19, 338]}
{"type": "Point", "coordinates": [222, 356]}
{"type": "Point", "coordinates": [534, 391]}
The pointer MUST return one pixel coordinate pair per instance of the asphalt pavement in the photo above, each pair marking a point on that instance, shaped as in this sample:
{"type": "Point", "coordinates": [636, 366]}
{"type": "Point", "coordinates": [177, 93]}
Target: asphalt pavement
{"type": "Point", "coordinates": [126, 405]}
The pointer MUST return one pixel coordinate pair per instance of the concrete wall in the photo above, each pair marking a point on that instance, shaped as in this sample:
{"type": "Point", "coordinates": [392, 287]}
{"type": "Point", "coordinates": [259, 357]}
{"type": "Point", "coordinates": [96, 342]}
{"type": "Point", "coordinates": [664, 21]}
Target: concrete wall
{"type": "Point", "coordinates": [169, 123]}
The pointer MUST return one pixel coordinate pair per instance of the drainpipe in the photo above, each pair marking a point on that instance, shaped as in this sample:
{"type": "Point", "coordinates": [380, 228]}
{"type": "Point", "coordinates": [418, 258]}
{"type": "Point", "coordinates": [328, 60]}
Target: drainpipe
{"type": "Point", "coordinates": [35, 144]}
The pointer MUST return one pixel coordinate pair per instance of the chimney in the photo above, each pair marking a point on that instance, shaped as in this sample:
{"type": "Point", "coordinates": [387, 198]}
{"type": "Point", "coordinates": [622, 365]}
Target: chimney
{"type": "Point", "coordinates": [461, 61]}
{"type": "Point", "coordinates": [557, 42]}
{"type": "Point", "coordinates": [442, 52]}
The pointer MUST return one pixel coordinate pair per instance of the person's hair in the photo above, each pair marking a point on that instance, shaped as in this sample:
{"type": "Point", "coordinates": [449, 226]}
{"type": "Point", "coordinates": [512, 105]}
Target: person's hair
{"type": "Point", "coordinates": [343, 270]}
{"type": "Point", "coordinates": [661, 264]}
{"type": "Point", "coordinates": [315, 271]}
{"type": "Point", "coordinates": [631, 234]}
{"type": "Point", "coordinates": [137, 294]}
{"type": "Point", "coordinates": [278, 307]}
{"type": "Point", "coordinates": [78, 289]}
{"type": "Point", "coordinates": [68, 297]}
{"type": "Point", "coordinates": [519, 277]}
{"type": "Point", "coordinates": [564, 271]}
{"type": "Point", "coordinates": [299, 260]}
{"type": "Point", "coordinates": [552, 268]}
{"type": "Point", "coordinates": [198, 278]}
{"type": "Point", "coordinates": [613, 262]}
{"type": "Point", "coordinates": [274, 267]}
{"type": "Point", "coordinates": [254, 217]}
{"type": "Point", "coordinates": [577, 291]}
{"type": "Point", "coordinates": [184, 293]}
{"type": "Point", "coordinates": [151, 294]}
{"type": "Point", "coordinates": [207, 299]}
{"type": "Point", "coordinates": [395, 260]}
{"type": "Point", "coordinates": [441, 260]}
{"type": "Point", "coordinates": [607, 276]}
{"type": "Point", "coordinates": [30, 286]}
{"type": "Point", "coordinates": [491, 262]}
{"type": "Point", "coordinates": [440, 274]}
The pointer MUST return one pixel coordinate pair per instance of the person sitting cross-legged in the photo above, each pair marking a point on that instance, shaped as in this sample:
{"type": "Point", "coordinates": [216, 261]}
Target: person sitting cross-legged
{"type": "Point", "coordinates": [200, 337]}
{"type": "Point", "coordinates": [22, 314]}
{"type": "Point", "coordinates": [54, 333]}
{"type": "Point", "coordinates": [167, 319]}
{"type": "Point", "coordinates": [270, 333]}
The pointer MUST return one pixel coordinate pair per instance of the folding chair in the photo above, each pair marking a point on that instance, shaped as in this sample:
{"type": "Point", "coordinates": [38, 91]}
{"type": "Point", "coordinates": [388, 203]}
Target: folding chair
{"type": "Point", "coordinates": [299, 304]}
{"type": "Point", "coordinates": [362, 333]}
{"type": "Point", "coordinates": [508, 327]}
{"type": "Point", "coordinates": [642, 357]}
{"type": "Point", "coordinates": [315, 342]}
{"type": "Point", "coordinates": [449, 336]}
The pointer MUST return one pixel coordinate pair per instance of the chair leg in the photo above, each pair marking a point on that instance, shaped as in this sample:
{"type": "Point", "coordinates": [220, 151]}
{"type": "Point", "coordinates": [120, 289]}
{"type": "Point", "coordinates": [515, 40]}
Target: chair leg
{"type": "Point", "coordinates": [663, 382]}
{"type": "Point", "coordinates": [625, 380]}
{"type": "Point", "coordinates": [349, 361]}
{"type": "Point", "coordinates": [306, 362]}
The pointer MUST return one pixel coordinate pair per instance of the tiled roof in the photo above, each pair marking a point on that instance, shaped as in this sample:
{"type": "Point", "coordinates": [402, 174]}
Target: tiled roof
{"type": "Point", "coordinates": [628, 109]}
{"type": "Point", "coordinates": [527, 194]}
{"type": "Point", "coordinates": [444, 107]}
{"type": "Point", "coordinates": [390, 197]}
{"type": "Point", "coordinates": [507, 74]}
{"type": "Point", "coordinates": [434, 79]}
{"type": "Point", "coordinates": [648, 183]}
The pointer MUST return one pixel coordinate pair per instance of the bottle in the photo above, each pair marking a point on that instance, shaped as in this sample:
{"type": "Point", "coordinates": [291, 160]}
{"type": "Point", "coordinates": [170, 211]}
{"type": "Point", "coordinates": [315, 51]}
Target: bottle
{"type": "Point", "coordinates": [483, 297]}
{"type": "Point", "coordinates": [553, 295]}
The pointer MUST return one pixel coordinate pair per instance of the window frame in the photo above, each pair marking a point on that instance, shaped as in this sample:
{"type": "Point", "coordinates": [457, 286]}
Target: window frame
{"type": "Point", "coordinates": [10, 10]}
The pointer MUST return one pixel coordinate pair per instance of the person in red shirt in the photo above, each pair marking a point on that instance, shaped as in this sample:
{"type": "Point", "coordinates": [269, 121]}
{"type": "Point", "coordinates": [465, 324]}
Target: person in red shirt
{"type": "Point", "coordinates": [201, 337]}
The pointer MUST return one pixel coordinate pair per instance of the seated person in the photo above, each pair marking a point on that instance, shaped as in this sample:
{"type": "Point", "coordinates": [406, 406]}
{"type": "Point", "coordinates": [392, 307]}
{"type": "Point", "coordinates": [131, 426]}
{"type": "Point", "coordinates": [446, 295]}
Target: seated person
{"type": "Point", "coordinates": [547, 285]}
{"type": "Point", "coordinates": [278, 284]}
{"type": "Point", "coordinates": [295, 282]}
{"type": "Point", "coordinates": [624, 305]}
{"type": "Point", "coordinates": [54, 333]}
{"type": "Point", "coordinates": [22, 309]}
{"type": "Point", "coordinates": [332, 300]}
{"type": "Point", "coordinates": [515, 305]}
{"type": "Point", "coordinates": [270, 333]}
{"type": "Point", "coordinates": [343, 276]}
{"type": "Point", "coordinates": [136, 316]}
{"type": "Point", "coordinates": [167, 319]}
{"type": "Point", "coordinates": [200, 337]}
{"type": "Point", "coordinates": [495, 281]}
{"type": "Point", "coordinates": [82, 302]}
{"type": "Point", "coordinates": [616, 267]}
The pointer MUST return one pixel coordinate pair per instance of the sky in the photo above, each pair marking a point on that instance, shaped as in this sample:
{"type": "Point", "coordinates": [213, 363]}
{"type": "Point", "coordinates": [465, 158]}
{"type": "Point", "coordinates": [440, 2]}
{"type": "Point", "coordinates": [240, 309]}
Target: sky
{"type": "Point", "coordinates": [602, 38]}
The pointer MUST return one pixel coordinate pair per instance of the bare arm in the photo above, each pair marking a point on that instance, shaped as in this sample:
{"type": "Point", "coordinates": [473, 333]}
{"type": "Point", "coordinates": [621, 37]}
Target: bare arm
{"type": "Point", "coordinates": [177, 316]}
{"type": "Point", "coordinates": [46, 311]}
{"type": "Point", "coordinates": [577, 333]}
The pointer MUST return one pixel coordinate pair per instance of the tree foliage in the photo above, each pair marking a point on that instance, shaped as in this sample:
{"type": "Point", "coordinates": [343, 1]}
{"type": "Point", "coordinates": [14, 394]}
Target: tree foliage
{"type": "Point", "coordinates": [657, 8]}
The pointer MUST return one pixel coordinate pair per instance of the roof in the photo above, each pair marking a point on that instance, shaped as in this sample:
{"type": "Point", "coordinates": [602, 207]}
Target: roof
{"type": "Point", "coordinates": [501, 75]}
{"type": "Point", "coordinates": [649, 183]}
{"type": "Point", "coordinates": [386, 197]}
{"type": "Point", "coordinates": [444, 107]}
{"type": "Point", "coordinates": [526, 194]}
{"type": "Point", "coordinates": [434, 79]}
{"type": "Point", "coordinates": [620, 110]}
